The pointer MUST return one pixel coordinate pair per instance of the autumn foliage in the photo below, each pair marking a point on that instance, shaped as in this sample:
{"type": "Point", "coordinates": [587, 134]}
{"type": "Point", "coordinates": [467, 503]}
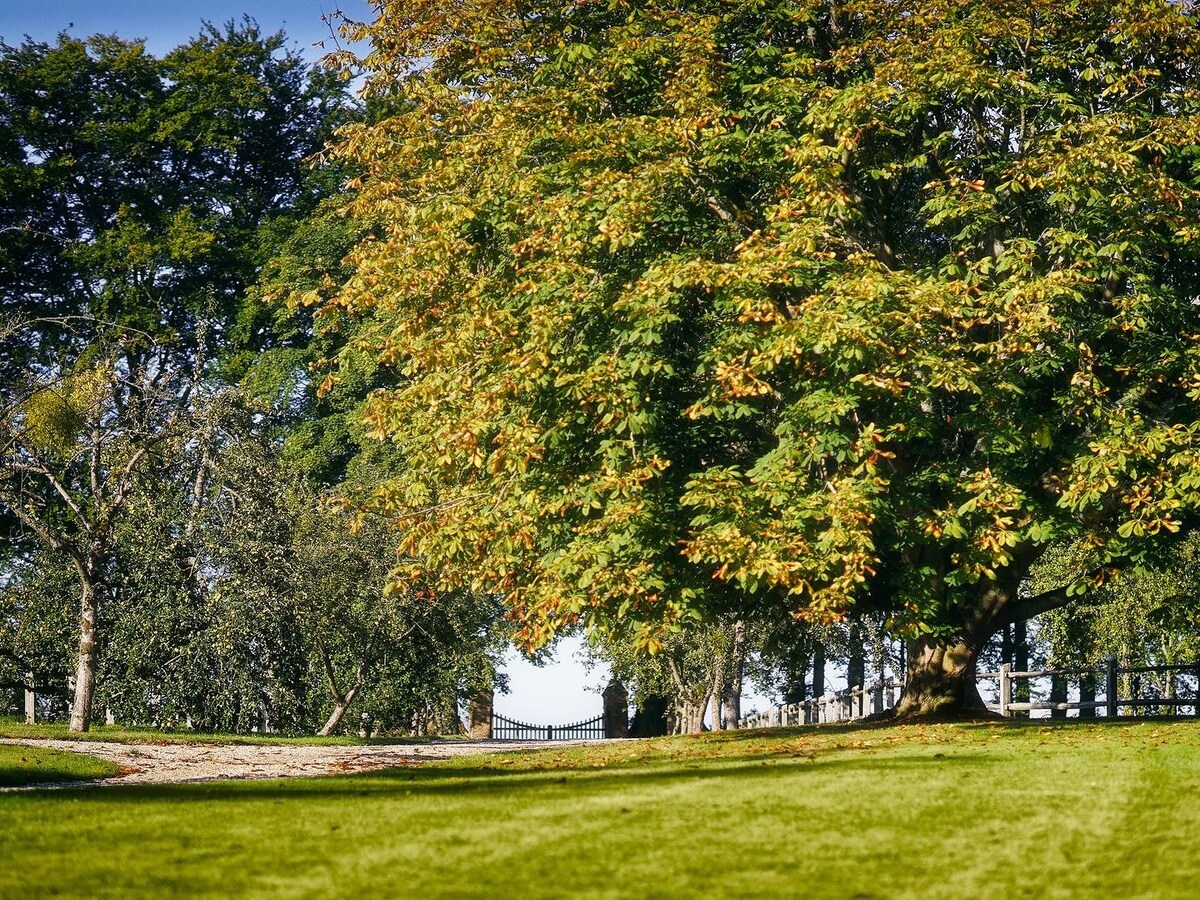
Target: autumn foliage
{"type": "Point", "coordinates": [709, 306]}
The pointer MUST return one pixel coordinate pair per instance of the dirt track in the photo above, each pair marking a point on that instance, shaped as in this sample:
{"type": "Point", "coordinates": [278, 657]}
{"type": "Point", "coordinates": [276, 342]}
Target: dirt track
{"type": "Point", "coordinates": [166, 763]}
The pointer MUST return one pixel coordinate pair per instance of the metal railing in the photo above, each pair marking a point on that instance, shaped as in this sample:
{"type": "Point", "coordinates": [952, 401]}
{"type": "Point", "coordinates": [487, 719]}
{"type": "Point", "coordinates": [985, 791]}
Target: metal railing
{"type": "Point", "coordinates": [506, 729]}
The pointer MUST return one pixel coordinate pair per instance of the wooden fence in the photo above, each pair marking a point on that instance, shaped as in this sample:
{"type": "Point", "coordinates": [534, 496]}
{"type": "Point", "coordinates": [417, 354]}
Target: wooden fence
{"type": "Point", "coordinates": [1113, 690]}
{"type": "Point", "coordinates": [506, 729]}
{"type": "Point", "coordinates": [842, 706]}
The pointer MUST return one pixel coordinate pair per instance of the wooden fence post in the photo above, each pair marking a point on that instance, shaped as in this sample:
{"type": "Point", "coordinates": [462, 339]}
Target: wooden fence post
{"type": "Point", "coordinates": [877, 698]}
{"type": "Point", "coordinates": [1005, 688]}
{"type": "Point", "coordinates": [1110, 686]}
{"type": "Point", "coordinates": [30, 700]}
{"type": "Point", "coordinates": [1087, 694]}
{"type": "Point", "coordinates": [1196, 705]}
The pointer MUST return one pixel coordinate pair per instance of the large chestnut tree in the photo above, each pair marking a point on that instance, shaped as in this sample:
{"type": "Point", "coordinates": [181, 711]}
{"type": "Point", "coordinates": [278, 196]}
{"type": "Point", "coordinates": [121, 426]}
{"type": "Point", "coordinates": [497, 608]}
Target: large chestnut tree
{"type": "Point", "coordinates": [714, 305]}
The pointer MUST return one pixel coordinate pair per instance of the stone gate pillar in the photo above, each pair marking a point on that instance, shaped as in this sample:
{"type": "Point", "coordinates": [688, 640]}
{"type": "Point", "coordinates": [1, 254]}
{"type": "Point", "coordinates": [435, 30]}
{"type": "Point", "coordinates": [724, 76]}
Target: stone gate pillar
{"type": "Point", "coordinates": [616, 710]}
{"type": "Point", "coordinates": [480, 711]}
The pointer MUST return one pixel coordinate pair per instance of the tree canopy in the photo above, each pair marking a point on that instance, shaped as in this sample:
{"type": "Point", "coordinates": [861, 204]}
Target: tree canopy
{"type": "Point", "coordinates": [141, 198]}
{"type": "Point", "coordinates": [823, 305]}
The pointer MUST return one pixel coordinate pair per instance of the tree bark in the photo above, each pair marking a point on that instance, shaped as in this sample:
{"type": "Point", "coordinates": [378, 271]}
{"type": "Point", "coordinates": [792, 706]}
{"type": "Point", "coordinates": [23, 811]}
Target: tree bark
{"type": "Point", "coordinates": [731, 698]}
{"type": "Point", "coordinates": [85, 664]}
{"type": "Point", "coordinates": [1087, 694]}
{"type": "Point", "coordinates": [341, 706]}
{"type": "Point", "coordinates": [856, 662]}
{"type": "Point", "coordinates": [942, 669]}
{"type": "Point", "coordinates": [1021, 664]}
{"type": "Point", "coordinates": [714, 706]}
{"type": "Point", "coordinates": [1058, 694]}
{"type": "Point", "coordinates": [818, 679]}
{"type": "Point", "coordinates": [941, 679]}
{"type": "Point", "coordinates": [341, 702]}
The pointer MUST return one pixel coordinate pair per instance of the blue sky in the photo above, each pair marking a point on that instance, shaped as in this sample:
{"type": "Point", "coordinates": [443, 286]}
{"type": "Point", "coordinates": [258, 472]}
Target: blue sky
{"type": "Point", "coordinates": [167, 23]}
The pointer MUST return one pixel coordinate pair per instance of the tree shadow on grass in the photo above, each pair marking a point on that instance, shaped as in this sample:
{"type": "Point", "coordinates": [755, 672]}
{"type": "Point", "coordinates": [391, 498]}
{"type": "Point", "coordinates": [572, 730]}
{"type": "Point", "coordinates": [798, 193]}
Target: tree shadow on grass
{"type": "Point", "coordinates": [498, 781]}
{"type": "Point", "coordinates": [46, 774]}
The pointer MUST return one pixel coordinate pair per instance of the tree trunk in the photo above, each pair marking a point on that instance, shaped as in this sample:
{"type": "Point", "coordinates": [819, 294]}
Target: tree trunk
{"type": "Point", "coordinates": [341, 702]}
{"type": "Point", "coordinates": [731, 698]}
{"type": "Point", "coordinates": [796, 688]}
{"type": "Point", "coordinates": [856, 662]}
{"type": "Point", "coordinates": [818, 680]}
{"type": "Point", "coordinates": [714, 706]}
{"type": "Point", "coordinates": [85, 666]}
{"type": "Point", "coordinates": [941, 679]}
{"type": "Point", "coordinates": [1058, 694]}
{"type": "Point", "coordinates": [942, 669]}
{"type": "Point", "coordinates": [1087, 694]}
{"type": "Point", "coordinates": [691, 716]}
{"type": "Point", "coordinates": [341, 705]}
{"type": "Point", "coordinates": [720, 675]}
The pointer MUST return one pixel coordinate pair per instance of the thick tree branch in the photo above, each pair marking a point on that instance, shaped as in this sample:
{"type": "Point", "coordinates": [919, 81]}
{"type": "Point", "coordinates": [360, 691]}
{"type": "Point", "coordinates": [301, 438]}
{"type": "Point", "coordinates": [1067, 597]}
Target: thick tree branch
{"type": "Point", "coordinates": [1028, 607]}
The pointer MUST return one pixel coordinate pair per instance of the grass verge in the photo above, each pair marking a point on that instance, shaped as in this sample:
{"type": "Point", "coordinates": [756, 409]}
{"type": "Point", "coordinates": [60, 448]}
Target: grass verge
{"type": "Point", "coordinates": [14, 728]}
{"type": "Point", "coordinates": [996, 810]}
{"type": "Point", "coordinates": [21, 765]}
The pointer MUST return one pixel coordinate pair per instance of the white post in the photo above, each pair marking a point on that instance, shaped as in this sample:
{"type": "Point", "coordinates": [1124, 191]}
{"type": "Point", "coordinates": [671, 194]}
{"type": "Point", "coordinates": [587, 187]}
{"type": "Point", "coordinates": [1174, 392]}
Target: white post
{"type": "Point", "coordinates": [30, 700]}
{"type": "Point", "coordinates": [1005, 689]}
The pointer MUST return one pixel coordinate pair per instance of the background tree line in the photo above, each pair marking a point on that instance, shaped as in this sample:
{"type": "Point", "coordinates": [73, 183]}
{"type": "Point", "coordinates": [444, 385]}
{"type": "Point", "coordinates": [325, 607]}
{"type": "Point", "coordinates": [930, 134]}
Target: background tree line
{"type": "Point", "coordinates": [166, 471]}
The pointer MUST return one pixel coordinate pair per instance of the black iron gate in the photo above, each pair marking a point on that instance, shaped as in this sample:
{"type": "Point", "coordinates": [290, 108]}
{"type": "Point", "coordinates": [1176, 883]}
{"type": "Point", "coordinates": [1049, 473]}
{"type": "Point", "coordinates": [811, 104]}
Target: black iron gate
{"type": "Point", "coordinates": [506, 729]}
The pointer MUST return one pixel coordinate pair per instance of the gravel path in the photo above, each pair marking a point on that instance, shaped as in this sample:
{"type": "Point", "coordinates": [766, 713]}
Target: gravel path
{"type": "Point", "coordinates": [176, 763]}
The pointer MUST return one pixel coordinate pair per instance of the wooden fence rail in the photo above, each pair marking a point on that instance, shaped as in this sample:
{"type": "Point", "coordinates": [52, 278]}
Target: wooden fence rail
{"type": "Point", "coordinates": [1114, 689]}
{"type": "Point", "coordinates": [1122, 688]}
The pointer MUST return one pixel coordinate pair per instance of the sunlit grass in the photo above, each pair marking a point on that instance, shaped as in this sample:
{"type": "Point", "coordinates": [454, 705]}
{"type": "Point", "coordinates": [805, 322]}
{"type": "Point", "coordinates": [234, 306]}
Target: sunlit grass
{"type": "Point", "coordinates": [20, 765]}
{"type": "Point", "coordinates": [979, 811]}
{"type": "Point", "coordinates": [14, 728]}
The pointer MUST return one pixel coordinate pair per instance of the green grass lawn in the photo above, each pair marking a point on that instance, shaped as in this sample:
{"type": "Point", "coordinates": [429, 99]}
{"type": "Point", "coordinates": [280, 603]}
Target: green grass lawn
{"type": "Point", "coordinates": [14, 728]}
{"type": "Point", "coordinates": [20, 765]}
{"type": "Point", "coordinates": [977, 811]}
